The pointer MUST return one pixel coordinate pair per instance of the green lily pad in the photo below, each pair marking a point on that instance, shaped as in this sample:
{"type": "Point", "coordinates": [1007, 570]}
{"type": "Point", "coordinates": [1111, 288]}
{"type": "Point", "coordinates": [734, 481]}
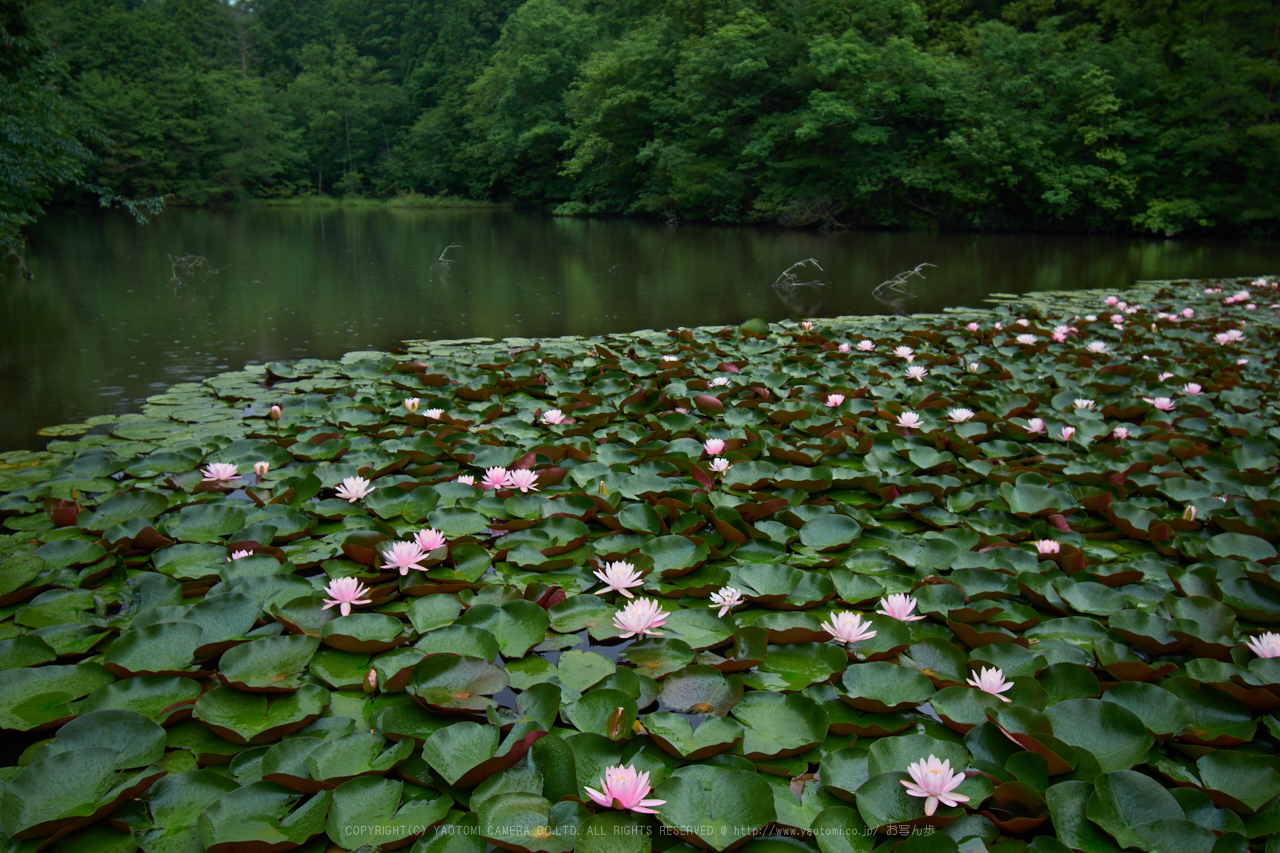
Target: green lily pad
{"type": "Point", "coordinates": [460, 682]}
{"type": "Point", "coordinates": [884, 687]}
{"type": "Point", "coordinates": [269, 665]}
{"type": "Point", "coordinates": [721, 808]}
{"type": "Point", "coordinates": [779, 726]}
{"type": "Point", "coordinates": [253, 718]}
{"type": "Point", "coordinates": [675, 733]}
{"type": "Point", "coordinates": [262, 816]}
{"type": "Point", "coordinates": [372, 811]}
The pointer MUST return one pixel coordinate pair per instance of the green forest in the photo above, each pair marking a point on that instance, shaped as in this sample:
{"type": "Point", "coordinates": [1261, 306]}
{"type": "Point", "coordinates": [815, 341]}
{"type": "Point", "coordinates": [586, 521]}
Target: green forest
{"type": "Point", "coordinates": [1076, 115]}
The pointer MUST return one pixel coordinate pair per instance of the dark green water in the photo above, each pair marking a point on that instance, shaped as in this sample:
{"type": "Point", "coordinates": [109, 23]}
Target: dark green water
{"type": "Point", "coordinates": [103, 325]}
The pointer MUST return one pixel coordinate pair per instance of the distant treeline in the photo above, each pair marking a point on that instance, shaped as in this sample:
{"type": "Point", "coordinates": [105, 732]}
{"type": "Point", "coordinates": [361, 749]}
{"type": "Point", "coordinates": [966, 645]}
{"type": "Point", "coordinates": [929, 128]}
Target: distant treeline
{"type": "Point", "coordinates": [1056, 114]}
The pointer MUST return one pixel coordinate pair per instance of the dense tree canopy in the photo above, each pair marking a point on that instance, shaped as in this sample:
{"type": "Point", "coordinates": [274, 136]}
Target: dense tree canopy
{"type": "Point", "coordinates": [1150, 115]}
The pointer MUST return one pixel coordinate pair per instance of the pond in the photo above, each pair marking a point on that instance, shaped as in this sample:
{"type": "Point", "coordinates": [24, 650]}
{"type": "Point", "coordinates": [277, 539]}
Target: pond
{"type": "Point", "coordinates": [109, 318]}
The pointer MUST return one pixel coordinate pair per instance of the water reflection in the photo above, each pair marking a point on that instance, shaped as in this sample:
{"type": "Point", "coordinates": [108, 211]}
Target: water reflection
{"type": "Point", "coordinates": [104, 325]}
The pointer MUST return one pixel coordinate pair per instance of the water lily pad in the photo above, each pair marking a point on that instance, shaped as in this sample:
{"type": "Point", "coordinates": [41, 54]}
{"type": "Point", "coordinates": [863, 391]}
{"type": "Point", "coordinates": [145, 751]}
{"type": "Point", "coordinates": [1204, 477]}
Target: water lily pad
{"type": "Point", "coordinates": [165, 699]}
{"type": "Point", "coordinates": [720, 808]}
{"type": "Point", "coordinates": [884, 687]}
{"type": "Point", "coordinates": [1124, 800]}
{"type": "Point", "coordinates": [528, 823]}
{"type": "Point", "coordinates": [779, 726]}
{"type": "Point", "coordinates": [262, 818]}
{"type": "Point", "coordinates": [700, 690]}
{"type": "Point", "coordinates": [456, 683]}
{"type": "Point", "coordinates": [517, 625]}
{"type": "Point", "coordinates": [253, 718]}
{"type": "Point", "coordinates": [675, 733]}
{"type": "Point", "coordinates": [167, 648]}
{"type": "Point", "coordinates": [372, 811]}
{"type": "Point", "coordinates": [269, 665]}
{"type": "Point", "coordinates": [39, 697]}
{"type": "Point", "coordinates": [368, 633]}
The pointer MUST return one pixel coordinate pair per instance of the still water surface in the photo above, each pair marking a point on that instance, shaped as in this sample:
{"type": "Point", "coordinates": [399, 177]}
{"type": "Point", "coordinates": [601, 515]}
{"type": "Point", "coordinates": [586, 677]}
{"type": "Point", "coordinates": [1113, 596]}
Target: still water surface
{"type": "Point", "coordinates": [103, 325]}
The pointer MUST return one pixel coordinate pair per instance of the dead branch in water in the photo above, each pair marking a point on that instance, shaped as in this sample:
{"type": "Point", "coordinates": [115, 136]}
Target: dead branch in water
{"type": "Point", "coordinates": [187, 267]}
{"type": "Point", "coordinates": [898, 284]}
{"type": "Point", "coordinates": [789, 279]}
{"type": "Point", "coordinates": [443, 263]}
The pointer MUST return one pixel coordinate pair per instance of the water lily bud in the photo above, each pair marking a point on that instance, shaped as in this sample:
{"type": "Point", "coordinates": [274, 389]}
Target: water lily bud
{"type": "Point", "coordinates": [275, 413]}
{"type": "Point", "coordinates": [604, 488]}
{"type": "Point", "coordinates": [370, 681]}
{"type": "Point", "coordinates": [261, 469]}
{"type": "Point", "coordinates": [1189, 514]}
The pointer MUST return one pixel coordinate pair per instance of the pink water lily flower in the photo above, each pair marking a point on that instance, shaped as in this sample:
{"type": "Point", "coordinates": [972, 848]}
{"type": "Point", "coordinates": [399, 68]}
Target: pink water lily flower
{"type": "Point", "coordinates": [466, 480]}
{"type": "Point", "coordinates": [411, 405]}
{"type": "Point", "coordinates": [619, 577]}
{"type": "Point", "coordinates": [1027, 340]}
{"type": "Point", "coordinates": [806, 325]}
{"type": "Point", "coordinates": [974, 367]}
{"type": "Point", "coordinates": [552, 417]}
{"type": "Point", "coordinates": [866, 346]}
{"type": "Point", "coordinates": [343, 593]}
{"type": "Point", "coordinates": [1047, 546]}
{"type": "Point", "coordinates": [899, 606]}
{"type": "Point", "coordinates": [905, 352]}
{"type": "Point", "coordinates": [848, 627]}
{"type": "Point", "coordinates": [219, 472]}
{"type": "Point", "coordinates": [1120, 432]}
{"type": "Point", "coordinates": [719, 381]}
{"type": "Point", "coordinates": [1035, 425]}
{"type": "Point", "coordinates": [1164, 404]}
{"type": "Point", "coordinates": [834, 400]}
{"type": "Point", "coordinates": [991, 680]}
{"type": "Point", "coordinates": [934, 781]}
{"type": "Point", "coordinates": [1096, 347]}
{"type": "Point", "coordinates": [1065, 434]}
{"type": "Point", "coordinates": [1225, 338]}
{"type": "Point", "coordinates": [1082, 403]}
{"type": "Point", "coordinates": [973, 327]}
{"type": "Point", "coordinates": [1188, 312]}
{"type": "Point", "coordinates": [403, 556]}
{"type": "Point", "coordinates": [640, 618]}
{"type": "Point", "coordinates": [1112, 300]}
{"type": "Point", "coordinates": [845, 348]}
{"type": "Point", "coordinates": [959, 416]}
{"type": "Point", "coordinates": [726, 599]}
{"type": "Point", "coordinates": [354, 488]}
{"type": "Point", "coordinates": [1265, 645]}
{"type": "Point", "coordinates": [910, 420]}
{"type": "Point", "coordinates": [524, 479]}
{"type": "Point", "coordinates": [916, 372]}
{"type": "Point", "coordinates": [433, 414]}
{"type": "Point", "coordinates": [239, 555]}
{"type": "Point", "coordinates": [623, 788]}
{"type": "Point", "coordinates": [496, 478]}
{"type": "Point", "coordinates": [713, 446]}
{"type": "Point", "coordinates": [1192, 388]}
{"type": "Point", "coordinates": [429, 539]}
{"type": "Point", "coordinates": [720, 464]}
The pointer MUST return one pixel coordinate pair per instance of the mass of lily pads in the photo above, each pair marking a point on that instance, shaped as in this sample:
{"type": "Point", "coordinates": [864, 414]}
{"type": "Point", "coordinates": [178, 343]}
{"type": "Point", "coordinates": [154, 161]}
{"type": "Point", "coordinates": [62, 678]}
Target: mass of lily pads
{"type": "Point", "coordinates": [1001, 579]}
